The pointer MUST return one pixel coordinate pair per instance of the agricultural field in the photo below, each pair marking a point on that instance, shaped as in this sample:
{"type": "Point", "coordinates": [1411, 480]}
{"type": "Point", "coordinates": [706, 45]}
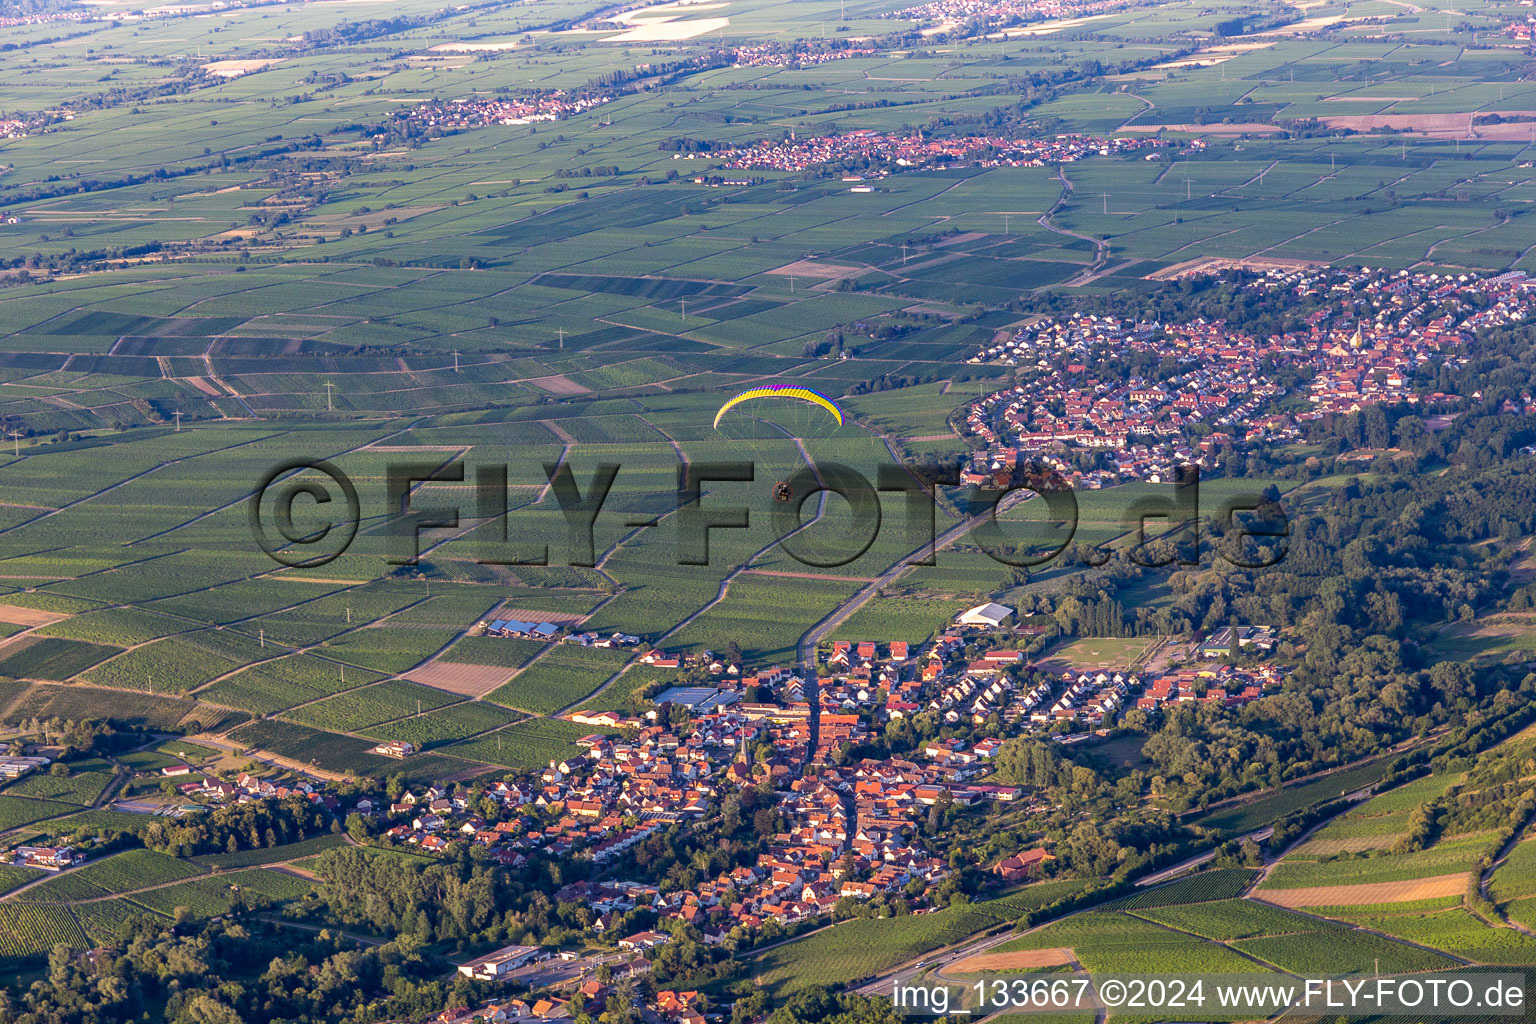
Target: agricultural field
{"type": "Point", "coordinates": [29, 933]}
{"type": "Point", "coordinates": [273, 854]}
{"type": "Point", "coordinates": [52, 658]}
{"type": "Point", "coordinates": [329, 288]}
{"type": "Point", "coordinates": [522, 745]}
{"type": "Point", "coordinates": [1204, 887]}
{"type": "Point", "coordinates": [79, 787]}
{"type": "Point", "coordinates": [1449, 856]}
{"type": "Point", "coordinates": [862, 947]}
{"type": "Point", "coordinates": [563, 676]}
{"type": "Point", "coordinates": [110, 876]}
{"type": "Point", "coordinates": [16, 811]}
{"type": "Point", "coordinates": [1249, 814]}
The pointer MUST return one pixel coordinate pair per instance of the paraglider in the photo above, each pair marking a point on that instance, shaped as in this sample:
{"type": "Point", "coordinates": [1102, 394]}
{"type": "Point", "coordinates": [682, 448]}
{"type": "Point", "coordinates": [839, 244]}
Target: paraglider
{"type": "Point", "coordinates": [781, 391]}
{"type": "Point", "coordinates": [794, 414]}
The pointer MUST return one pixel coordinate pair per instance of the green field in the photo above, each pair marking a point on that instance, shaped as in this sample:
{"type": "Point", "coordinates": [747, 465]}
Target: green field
{"type": "Point", "coordinates": [562, 676]}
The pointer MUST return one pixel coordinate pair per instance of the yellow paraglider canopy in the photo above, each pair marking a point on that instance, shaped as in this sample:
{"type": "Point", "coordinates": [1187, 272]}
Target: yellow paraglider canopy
{"type": "Point", "coordinates": [782, 391]}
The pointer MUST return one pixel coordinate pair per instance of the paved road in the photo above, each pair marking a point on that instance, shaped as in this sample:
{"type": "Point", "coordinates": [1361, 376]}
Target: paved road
{"type": "Point", "coordinates": [1185, 866]}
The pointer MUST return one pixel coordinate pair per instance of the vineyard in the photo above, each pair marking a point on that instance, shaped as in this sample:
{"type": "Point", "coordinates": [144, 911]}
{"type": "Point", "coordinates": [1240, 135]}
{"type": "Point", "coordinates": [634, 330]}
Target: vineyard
{"type": "Point", "coordinates": [103, 918]}
{"type": "Point", "coordinates": [1446, 857]}
{"type": "Point", "coordinates": [455, 722]}
{"type": "Point", "coordinates": [1204, 887]}
{"type": "Point", "coordinates": [863, 946]}
{"type": "Point", "coordinates": [359, 708]}
{"type": "Point", "coordinates": [1330, 951]}
{"type": "Point", "coordinates": [114, 874]}
{"type": "Point", "coordinates": [1455, 930]}
{"type": "Point", "coordinates": [53, 658]}
{"type": "Point", "coordinates": [207, 897]}
{"type": "Point", "coordinates": [273, 685]}
{"type": "Point", "coordinates": [273, 854]}
{"type": "Point", "coordinates": [563, 676]}
{"type": "Point", "coordinates": [21, 810]}
{"type": "Point", "coordinates": [1225, 920]}
{"type": "Point", "coordinates": [1516, 877]}
{"type": "Point", "coordinates": [78, 788]}
{"type": "Point", "coordinates": [523, 745]}
{"type": "Point", "coordinates": [28, 933]}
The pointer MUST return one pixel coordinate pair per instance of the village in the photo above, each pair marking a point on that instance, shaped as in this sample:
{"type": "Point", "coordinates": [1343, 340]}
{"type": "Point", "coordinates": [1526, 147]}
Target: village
{"type": "Point", "coordinates": [848, 831]}
{"type": "Point", "coordinates": [885, 151]}
{"type": "Point", "coordinates": [841, 832]}
{"type": "Point", "coordinates": [1364, 348]}
{"type": "Point", "coordinates": [480, 111]}
{"type": "Point", "coordinates": [1000, 12]}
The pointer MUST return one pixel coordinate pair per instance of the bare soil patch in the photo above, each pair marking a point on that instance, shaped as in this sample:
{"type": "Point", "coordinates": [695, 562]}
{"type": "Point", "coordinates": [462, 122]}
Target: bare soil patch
{"type": "Point", "coordinates": [456, 677]}
{"type": "Point", "coordinates": [529, 615]}
{"type": "Point", "coordinates": [1368, 893]}
{"type": "Point", "coordinates": [1240, 128]}
{"type": "Point", "coordinates": [818, 269]}
{"type": "Point", "coordinates": [1458, 125]}
{"type": "Point", "coordinates": [204, 386]}
{"type": "Point", "coordinates": [236, 68]}
{"type": "Point", "coordinates": [560, 384]}
{"type": "Point", "coordinates": [16, 615]}
{"type": "Point", "coordinates": [1018, 960]}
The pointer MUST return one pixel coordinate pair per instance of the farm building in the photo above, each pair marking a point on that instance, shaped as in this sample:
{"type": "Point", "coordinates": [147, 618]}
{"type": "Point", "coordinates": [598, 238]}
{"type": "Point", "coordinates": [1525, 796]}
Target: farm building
{"type": "Point", "coordinates": [497, 964]}
{"type": "Point", "coordinates": [50, 858]}
{"type": "Point", "coordinates": [990, 615]}
{"type": "Point", "coordinates": [16, 767]}
{"type": "Point", "coordinates": [395, 748]}
{"type": "Point", "coordinates": [517, 627]}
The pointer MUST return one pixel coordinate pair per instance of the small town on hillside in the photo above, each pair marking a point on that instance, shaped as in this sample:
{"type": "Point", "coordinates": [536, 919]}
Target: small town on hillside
{"type": "Point", "coordinates": [1366, 346]}
{"type": "Point", "coordinates": [847, 830]}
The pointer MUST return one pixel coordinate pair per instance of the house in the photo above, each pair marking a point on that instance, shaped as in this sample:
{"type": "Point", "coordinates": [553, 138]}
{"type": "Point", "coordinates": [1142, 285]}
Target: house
{"type": "Point", "coordinates": [1021, 866]}
{"type": "Point", "coordinates": [398, 749]}
{"type": "Point", "coordinates": [50, 858]}
{"type": "Point", "coordinates": [500, 963]}
{"type": "Point", "coordinates": [1220, 643]}
{"type": "Point", "coordinates": [644, 940]}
